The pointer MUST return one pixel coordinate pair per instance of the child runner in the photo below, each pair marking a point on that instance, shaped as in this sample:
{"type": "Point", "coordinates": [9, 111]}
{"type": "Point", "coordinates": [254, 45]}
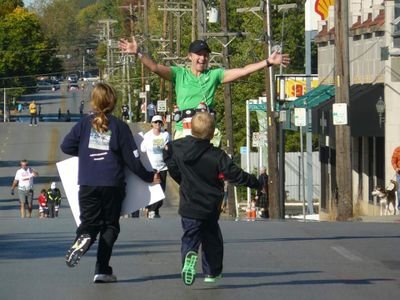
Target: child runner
{"type": "Point", "coordinates": [42, 204]}
{"type": "Point", "coordinates": [104, 146]}
{"type": "Point", "coordinates": [53, 200]}
{"type": "Point", "coordinates": [200, 169]}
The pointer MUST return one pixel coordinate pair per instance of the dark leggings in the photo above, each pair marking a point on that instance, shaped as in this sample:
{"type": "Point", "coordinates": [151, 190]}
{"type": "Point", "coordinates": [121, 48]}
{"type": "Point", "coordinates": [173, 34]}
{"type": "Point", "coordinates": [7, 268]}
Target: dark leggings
{"type": "Point", "coordinates": [207, 234]}
{"type": "Point", "coordinates": [100, 209]}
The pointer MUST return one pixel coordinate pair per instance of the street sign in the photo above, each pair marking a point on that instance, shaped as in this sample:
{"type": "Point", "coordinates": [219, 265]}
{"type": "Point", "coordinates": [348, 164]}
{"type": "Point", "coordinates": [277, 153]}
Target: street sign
{"type": "Point", "coordinates": [339, 113]}
{"type": "Point", "coordinates": [161, 106]}
{"type": "Point", "coordinates": [147, 87]}
{"type": "Point", "coordinates": [257, 106]}
{"type": "Point", "coordinates": [243, 150]}
{"type": "Point", "coordinates": [259, 139]}
{"type": "Point", "coordinates": [300, 116]}
{"type": "Point", "coordinates": [142, 95]}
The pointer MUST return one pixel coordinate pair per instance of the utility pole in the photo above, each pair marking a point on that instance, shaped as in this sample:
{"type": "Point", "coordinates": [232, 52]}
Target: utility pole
{"type": "Point", "coordinates": [83, 64]}
{"type": "Point", "coordinates": [107, 34]}
{"type": "Point", "coordinates": [171, 49]}
{"type": "Point", "coordinates": [126, 59]}
{"type": "Point", "coordinates": [146, 38]}
{"type": "Point", "coordinates": [194, 19]}
{"type": "Point", "coordinates": [163, 44]}
{"type": "Point", "coordinates": [273, 172]}
{"type": "Point", "coordinates": [343, 139]}
{"type": "Point", "coordinates": [5, 106]}
{"type": "Point", "coordinates": [227, 101]}
{"type": "Point", "coordinates": [282, 191]}
{"type": "Point", "coordinates": [201, 18]}
{"type": "Point", "coordinates": [309, 32]}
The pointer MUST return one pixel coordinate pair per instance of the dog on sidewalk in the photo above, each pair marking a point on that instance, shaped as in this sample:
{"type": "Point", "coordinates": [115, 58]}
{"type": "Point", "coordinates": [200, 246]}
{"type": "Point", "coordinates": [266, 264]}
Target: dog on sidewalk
{"type": "Point", "coordinates": [386, 197]}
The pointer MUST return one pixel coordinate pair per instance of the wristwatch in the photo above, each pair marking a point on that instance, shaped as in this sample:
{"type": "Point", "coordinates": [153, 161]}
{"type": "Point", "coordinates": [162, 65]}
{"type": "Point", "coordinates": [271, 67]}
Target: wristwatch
{"type": "Point", "coordinates": [268, 63]}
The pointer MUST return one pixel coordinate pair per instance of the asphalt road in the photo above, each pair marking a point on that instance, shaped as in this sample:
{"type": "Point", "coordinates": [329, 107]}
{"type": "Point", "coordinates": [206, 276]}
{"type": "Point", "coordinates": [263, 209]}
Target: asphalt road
{"type": "Point", "coordinates": [263, 259]}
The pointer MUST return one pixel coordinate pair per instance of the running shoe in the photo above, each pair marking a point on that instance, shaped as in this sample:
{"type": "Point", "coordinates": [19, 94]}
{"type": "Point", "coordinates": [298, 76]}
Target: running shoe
{"type": "Point", "coordinates": [77, 250]}
{"type": "Point", "coordinates": [104, 278]}
{"type": "Point", "coordinates": [189, 268]}
{"type": "Point", "coordinates": [211, 278]}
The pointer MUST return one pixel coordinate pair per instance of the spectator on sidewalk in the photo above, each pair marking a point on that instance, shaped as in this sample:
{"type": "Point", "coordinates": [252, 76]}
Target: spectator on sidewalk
{"type": "Point", "coordinates": [68, 116]}
{"type": "Point", "coordinates": [262, 194]}
{"type": "Point", "coordinates": [143, 111]}
{"type": "Point", "coordinates": [225, 200]}
{"type": "Point", "coordinates": [153, 144]}
{"type": "Point", "coordinates": [33, 113]}
{"type": "Point", "coordinates": [125, 112]}
{"type": "Point", "coordinates": [151, 111]}
{"type": "Point", "coordinates": [24, 180]}
{"type": "Point", "coordinates": [396, 167]}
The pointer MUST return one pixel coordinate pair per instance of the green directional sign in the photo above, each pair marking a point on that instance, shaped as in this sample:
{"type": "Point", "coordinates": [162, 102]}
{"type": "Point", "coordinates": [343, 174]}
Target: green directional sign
{"type": "Point", "coordinates": [257, 106]}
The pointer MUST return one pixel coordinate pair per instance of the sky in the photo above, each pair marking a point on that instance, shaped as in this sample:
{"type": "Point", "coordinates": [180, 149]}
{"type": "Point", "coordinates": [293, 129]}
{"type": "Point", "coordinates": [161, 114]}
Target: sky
{"type": "Point", "coordinates": [27, 2]}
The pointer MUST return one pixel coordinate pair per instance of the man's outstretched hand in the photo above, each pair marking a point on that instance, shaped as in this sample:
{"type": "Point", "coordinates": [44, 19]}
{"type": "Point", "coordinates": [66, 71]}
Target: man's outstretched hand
{"type": "Point", "coordinates": [277, 58]}
{"type": "Point", "coordinates": [128, 47]}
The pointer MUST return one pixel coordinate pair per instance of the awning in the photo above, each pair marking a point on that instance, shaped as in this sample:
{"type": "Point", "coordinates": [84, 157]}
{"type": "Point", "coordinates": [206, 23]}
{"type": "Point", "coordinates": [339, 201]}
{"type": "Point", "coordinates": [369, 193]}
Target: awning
{"type": "Point", "coordinates": [314, 97]}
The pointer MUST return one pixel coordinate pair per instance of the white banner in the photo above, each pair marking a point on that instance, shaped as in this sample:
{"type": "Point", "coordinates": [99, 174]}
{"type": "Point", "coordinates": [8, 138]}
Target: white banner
{"type": "Point", "coordinates": [139, 194]}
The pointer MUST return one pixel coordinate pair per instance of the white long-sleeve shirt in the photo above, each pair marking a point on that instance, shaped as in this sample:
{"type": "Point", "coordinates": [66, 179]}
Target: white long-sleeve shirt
{"type": "Point", "coordinates": [153, 145]}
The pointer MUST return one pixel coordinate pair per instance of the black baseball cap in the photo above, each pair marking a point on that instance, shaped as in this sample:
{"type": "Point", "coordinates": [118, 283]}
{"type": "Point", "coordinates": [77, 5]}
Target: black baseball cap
{"type": "Point", "coordinates": [198, 45]}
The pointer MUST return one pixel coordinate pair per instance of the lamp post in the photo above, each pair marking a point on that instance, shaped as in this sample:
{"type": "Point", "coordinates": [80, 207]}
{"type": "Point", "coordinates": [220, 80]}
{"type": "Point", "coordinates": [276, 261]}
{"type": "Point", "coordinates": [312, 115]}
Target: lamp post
{"type": "Point", "coordinates": [380, 109]}
{"type": "Point", "coordinates": [284, 8]}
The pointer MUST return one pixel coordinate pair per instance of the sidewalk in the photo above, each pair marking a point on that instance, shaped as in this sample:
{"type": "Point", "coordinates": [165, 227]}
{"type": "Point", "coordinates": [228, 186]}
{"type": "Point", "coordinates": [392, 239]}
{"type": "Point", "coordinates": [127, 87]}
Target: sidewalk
{"type": "Point", "coordinates": [381, 219]}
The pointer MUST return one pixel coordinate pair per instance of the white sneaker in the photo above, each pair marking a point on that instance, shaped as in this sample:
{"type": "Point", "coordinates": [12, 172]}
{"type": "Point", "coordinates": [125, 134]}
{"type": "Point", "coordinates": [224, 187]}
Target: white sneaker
{"type": "Point", "coordinates": [152, 214]}
{"type": "Point", "coordinates": [104, 278]}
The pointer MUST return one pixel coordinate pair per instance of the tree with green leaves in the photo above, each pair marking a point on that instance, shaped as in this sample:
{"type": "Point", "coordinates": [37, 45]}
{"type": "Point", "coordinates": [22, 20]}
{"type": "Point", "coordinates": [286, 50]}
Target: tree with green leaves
{"type": "Point", "coordinates": [25, 52]}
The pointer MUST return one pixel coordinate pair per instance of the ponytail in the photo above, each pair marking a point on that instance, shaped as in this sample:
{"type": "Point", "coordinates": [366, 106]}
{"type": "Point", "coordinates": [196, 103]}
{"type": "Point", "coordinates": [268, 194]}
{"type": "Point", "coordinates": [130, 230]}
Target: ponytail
{"type": "Point", "coordinates": [100, 122]}
{"type": "Point", "coordinates": [103, 101]}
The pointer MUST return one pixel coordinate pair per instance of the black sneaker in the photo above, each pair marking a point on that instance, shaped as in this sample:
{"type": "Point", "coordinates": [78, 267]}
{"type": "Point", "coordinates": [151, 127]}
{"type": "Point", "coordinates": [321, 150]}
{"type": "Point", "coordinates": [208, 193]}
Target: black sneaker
{"type": "Point", "coordinates": [77, 250]}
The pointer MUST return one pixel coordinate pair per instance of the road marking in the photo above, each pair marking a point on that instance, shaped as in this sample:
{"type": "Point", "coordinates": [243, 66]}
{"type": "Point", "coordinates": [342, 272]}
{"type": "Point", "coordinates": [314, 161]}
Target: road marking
{"type": "Point", "coordinates": [346, 253]}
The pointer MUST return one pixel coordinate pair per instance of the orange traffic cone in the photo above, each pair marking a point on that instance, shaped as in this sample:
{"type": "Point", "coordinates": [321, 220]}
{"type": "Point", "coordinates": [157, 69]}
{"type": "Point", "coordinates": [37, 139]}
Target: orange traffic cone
{"type": "Point", "coordinates": [253, 213]}
{"type": "Point", "coordinates": [248, 213]}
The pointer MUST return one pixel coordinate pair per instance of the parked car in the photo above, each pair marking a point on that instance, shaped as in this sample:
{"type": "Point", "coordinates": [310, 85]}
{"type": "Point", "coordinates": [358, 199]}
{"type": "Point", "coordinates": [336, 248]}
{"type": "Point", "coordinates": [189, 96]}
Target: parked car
{"type": "Point", "coordinates": [90, 77]}
{"type": "Point", "coordinates": [47, 85]}
{"type": "Point", "coordinates": [73, 86]}
{"type": "Point", "coordinates": [72, 77]}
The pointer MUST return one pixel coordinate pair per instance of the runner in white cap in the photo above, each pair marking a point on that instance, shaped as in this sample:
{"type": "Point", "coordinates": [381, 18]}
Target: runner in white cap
{"type": "Point", "coordinates": [153, 144]}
